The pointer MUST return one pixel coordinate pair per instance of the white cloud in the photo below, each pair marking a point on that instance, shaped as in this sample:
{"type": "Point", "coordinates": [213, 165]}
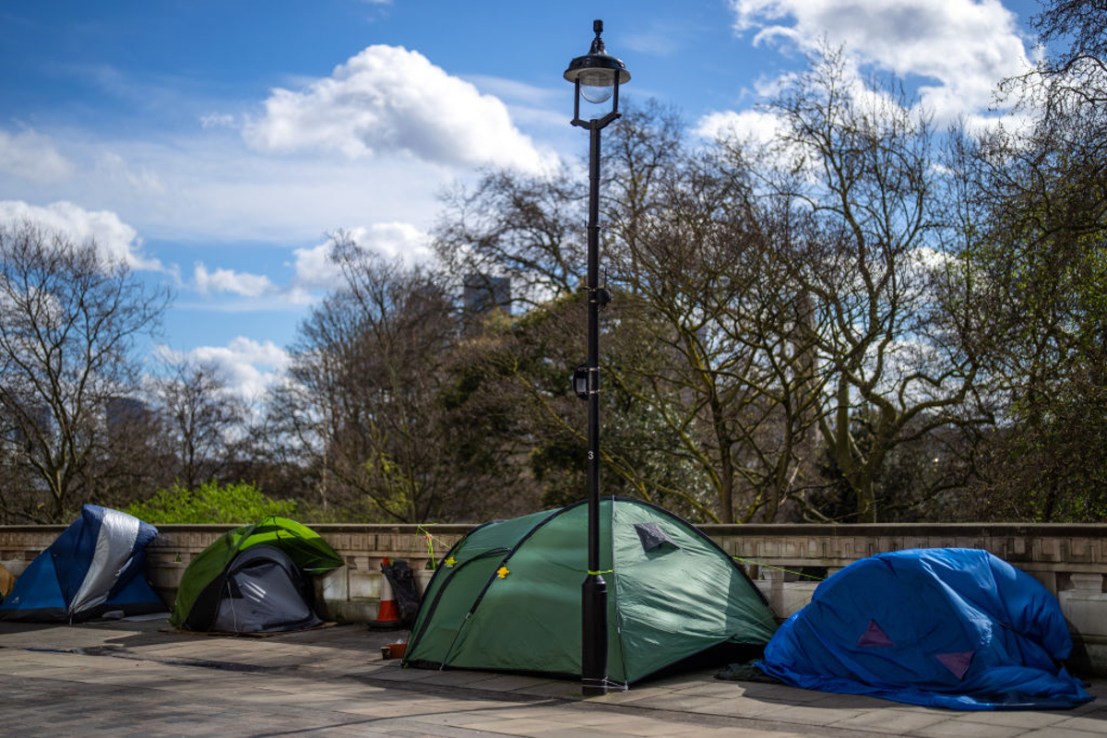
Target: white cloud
{"type": "Point", "coordinates": [116, 240]}
{"type": "Point", "coordinates": [32, 156]}
{"type": "Point", "coordinates": [387, 99]}
{"type": "Point", "coordinates": [750, 126]}
{"type": "Point", "coordinates": [206, 185]}
{"type": "Point", "coordinates": [217, 120]}
{"type": "Point", "coordinates": [228, 280]}
{"type": "Point", "coordinates": [530, 105]}
{"type": "Point", "coordinates": [316, 270]}
{"type": "Point", "coordinates": [249, 367]}
{"type": "Point", "coordinates": [395, 241]}
{"type": "Point", "coordinates": [960, 48]}
{"type": "Point", "coordinates": [514, 91]}
{"type": "Point", "coordinates": [223, 193]}
{"type": "Point", "coordinates": [111, 167]}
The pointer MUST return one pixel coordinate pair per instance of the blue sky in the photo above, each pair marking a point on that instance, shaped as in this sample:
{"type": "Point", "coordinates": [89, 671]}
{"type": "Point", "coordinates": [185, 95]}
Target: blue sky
{"type": "Point", "coordinates": [214, 144]}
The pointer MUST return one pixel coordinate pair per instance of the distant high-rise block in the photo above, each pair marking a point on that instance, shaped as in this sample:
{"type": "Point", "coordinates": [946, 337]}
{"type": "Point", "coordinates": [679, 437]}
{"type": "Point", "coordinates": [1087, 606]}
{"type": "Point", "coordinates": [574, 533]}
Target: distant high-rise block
{"type": "Point", "coordinates": [484, 292]}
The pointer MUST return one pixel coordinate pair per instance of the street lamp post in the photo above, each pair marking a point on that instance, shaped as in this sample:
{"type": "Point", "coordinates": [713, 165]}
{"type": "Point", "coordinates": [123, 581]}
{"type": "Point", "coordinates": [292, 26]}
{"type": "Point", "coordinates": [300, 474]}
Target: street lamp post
{"type": "Point", "coordinates": [596, 77]}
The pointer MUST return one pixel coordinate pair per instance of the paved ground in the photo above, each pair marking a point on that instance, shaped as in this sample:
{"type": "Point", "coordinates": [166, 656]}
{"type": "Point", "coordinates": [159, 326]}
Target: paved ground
{"type": "Point", "coordinates": [138, 679]}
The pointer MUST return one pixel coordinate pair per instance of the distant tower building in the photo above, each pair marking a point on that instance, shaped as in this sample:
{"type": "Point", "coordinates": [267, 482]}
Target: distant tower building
{"type": "Point", "coordinates": [123, 411]}
{"type": "Point", "coordinates": [483, 293]}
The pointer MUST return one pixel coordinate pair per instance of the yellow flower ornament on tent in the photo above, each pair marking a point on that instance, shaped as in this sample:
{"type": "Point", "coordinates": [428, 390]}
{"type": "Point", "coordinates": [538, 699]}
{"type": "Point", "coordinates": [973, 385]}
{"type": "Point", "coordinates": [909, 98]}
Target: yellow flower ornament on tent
{"type": "Point", "coordinates": [451, 561]}
{"type": "Point", "coordinates": [502, 572]}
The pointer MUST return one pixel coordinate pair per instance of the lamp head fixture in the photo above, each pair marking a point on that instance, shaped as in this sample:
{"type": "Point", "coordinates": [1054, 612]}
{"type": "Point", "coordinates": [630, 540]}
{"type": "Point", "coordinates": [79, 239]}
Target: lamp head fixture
{"type": "Point", "coordinates": [597, 74]}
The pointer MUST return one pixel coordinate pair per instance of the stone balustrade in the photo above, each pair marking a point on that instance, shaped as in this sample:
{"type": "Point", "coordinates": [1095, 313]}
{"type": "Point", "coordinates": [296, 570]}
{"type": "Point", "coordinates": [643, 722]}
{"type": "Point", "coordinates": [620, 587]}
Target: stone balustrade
{"type": "Point", "coordinates": [786, 561]}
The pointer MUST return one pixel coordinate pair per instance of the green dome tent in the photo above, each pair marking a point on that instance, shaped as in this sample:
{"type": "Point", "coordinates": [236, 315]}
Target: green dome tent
{"type": "Point", "coordinates": [204, 581]}
{"type": "Point", "coordinates": [507, 597]}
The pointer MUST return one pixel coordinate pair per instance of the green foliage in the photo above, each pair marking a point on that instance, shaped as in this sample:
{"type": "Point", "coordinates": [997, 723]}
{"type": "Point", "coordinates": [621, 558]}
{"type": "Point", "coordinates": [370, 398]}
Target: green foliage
{"type": "Point", "coordinates": [211, 503]}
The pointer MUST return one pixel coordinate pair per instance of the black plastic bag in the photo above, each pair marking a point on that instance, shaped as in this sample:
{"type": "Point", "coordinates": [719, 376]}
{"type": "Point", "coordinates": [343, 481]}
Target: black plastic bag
{"type": "Point", "coordinates": [404, 592]}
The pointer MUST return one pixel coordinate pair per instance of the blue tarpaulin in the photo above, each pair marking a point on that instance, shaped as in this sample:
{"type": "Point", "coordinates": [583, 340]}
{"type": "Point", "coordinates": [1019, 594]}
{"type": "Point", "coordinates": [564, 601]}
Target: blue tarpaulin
{"type": "Point", "coordinates": [947, 627]}
{"type": "Point", "coordinates": [95, 566]}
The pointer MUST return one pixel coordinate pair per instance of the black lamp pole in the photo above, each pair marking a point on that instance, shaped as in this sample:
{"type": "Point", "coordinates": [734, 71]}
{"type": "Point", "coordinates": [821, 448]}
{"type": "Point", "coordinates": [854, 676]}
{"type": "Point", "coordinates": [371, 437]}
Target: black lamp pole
{"type": "Point", "coordinates": [596, 77]}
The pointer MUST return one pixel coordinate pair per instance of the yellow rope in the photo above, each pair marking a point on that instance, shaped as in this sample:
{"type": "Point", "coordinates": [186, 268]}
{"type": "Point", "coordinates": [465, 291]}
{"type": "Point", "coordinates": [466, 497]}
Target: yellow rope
{"type": "Point", "coordinates": [778, 568]}
{"type": "Point", "coordinates": [430, 544]}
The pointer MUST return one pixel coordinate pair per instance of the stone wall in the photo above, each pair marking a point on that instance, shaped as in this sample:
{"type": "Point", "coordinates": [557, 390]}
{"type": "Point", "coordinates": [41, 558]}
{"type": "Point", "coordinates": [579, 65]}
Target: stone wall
{"type": "Point", "coordinates": [786, 561]}
{"type": "Point", "coordinates": [349, 593]}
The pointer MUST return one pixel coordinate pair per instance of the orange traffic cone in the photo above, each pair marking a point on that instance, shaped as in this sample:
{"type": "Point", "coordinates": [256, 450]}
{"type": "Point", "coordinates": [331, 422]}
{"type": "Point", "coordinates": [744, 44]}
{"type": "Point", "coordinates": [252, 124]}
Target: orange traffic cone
{"type": "Point", "coordinates": [388, 615]}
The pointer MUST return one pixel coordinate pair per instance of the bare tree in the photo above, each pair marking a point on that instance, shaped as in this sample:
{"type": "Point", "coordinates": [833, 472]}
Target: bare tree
{"type": "Point", "coordinates": [70, 322]}
{"type": "Point", "coordinates": [519, 227]}
{"type": "Point", "coordinates": [722, 364]}
{"type": "Point", "coordinates": [1079, 69]}
{"type": "Point", "coordinates": [867, 251]}
{"type": "Point", "coordinates": [770, 305]}
{"type": "Point", "coordinates": [380, 405]}
{"type": "Point", "coordinates": [1039, 267]}
{"type": "Point", "coordinates": [703, 408]}
{"type": "Point", "coordinates": [205, 424]}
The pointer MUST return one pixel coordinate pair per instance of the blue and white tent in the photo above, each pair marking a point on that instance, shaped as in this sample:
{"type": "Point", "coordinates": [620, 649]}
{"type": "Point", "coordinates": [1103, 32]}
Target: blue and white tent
{"type": "Point", "coordinates": [954, 628]}
{"type": "Point", "coordinates": [97, 565]}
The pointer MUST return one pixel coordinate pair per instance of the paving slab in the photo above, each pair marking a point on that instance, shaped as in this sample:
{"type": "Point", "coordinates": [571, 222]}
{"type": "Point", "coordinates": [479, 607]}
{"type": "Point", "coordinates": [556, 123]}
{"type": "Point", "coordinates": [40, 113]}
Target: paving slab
{"type": "Point", "coordinates": [891, 722]}
{"type": "Point", "coordinates": [144, 679]}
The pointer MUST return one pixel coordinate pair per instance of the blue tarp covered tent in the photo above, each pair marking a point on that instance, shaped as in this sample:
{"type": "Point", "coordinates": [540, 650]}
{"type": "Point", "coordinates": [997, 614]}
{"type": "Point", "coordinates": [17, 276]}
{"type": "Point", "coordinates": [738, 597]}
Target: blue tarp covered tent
{"type": "Point", "coordinates": [95, 566]}
{"type": "Point", "coordinates": [955, 628]}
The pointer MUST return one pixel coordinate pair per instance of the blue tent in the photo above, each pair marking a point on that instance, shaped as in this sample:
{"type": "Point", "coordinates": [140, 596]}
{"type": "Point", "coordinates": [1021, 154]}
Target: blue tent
{"type": "Point", "coordinates": [955, 628]}
{"type": "Point", "coordinates": [95, 566]}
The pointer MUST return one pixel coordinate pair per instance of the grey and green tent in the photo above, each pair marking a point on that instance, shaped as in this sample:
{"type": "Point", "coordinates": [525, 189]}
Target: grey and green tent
{"type": "Point", "coordinates": [507, 597]}
{"type": "Point", "coordinates": [254, 579]}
